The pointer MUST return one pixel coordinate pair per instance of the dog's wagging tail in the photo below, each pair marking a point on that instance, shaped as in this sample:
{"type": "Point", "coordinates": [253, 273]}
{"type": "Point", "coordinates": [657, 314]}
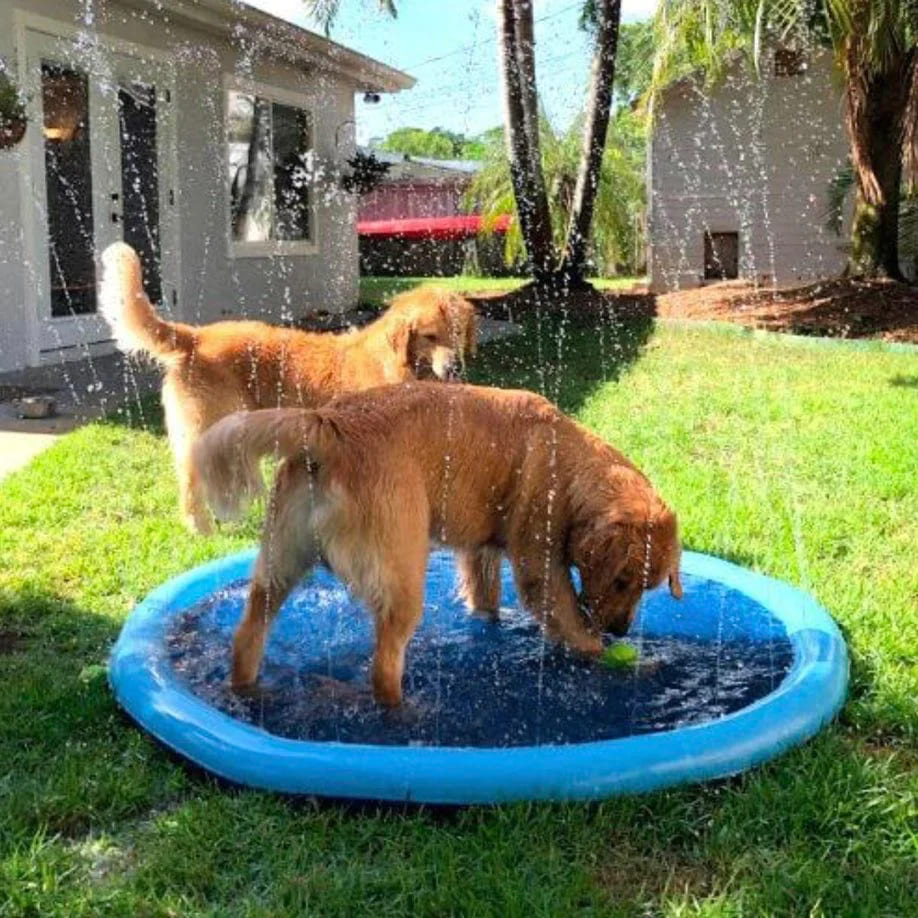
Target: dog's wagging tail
{"type": "Point", "coordinates": [212, 370]}
{"type": "Point", "coordinates": [366, 482]}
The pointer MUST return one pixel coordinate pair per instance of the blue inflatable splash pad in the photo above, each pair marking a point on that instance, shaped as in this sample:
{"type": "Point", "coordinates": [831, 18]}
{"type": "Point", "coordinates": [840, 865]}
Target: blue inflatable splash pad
{"type": "Point", "coordinates": [738, 671]}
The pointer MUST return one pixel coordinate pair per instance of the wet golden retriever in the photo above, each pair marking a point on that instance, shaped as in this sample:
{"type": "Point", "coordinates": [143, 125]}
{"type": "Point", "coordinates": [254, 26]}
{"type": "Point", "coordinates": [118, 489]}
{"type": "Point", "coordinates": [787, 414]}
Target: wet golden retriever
{"type": "Point", "coordinates": [214, 370]}
{"type": "Point", "coordinates": [367, 482]}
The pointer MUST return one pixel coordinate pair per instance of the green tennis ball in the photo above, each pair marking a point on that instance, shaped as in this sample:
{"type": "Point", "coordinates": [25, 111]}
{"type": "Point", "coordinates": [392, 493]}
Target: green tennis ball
{"type": "Point", "coordinates": [618, 656]}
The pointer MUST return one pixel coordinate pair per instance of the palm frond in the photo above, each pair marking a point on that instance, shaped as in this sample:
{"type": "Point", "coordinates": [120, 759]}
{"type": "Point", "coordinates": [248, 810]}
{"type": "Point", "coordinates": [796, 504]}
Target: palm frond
{"type": "Point", "coordinates": [910, 132]}
{"type": "Point", "coordinates": [908, 230]}
{"type": "Point", "coordinates": [325, 12]}
{"type": "Point", "coordinates": [839, 188]}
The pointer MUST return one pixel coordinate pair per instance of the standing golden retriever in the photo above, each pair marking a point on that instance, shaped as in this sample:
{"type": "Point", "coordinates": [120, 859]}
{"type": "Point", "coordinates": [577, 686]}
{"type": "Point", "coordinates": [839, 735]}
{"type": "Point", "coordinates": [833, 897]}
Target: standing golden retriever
{"type": "Point", "coordinates": [370, 479]}
{"type": "Point", "coordinates": [214, 370]}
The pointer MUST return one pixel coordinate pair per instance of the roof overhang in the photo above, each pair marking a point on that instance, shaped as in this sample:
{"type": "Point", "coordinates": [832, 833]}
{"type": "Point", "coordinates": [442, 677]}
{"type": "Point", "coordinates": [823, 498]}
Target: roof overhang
{"type": "Point", "coordinates": [237, 22]}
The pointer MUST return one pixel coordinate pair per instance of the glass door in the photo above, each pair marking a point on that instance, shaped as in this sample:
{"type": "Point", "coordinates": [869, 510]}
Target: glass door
{"type": "Point", "coordinates": [99, 175]}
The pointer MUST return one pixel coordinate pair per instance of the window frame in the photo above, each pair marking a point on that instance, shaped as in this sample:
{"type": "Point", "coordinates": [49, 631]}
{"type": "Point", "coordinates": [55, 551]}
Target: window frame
{"type": "Point", "coordinates": [789, 62]}
{"type": "Point", "coordinates": [272, 247]}
{"type": "Point", "coordinates": [708, 241]}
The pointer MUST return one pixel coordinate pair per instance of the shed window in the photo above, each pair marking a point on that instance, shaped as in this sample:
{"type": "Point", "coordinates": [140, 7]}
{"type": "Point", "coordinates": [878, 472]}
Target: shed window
{"type": "Point", "coordinates": [721, 256]}
{"type": "Point", "coordinates": [789, 62]}
{"type": "Point", "coordinates": [269, 158]}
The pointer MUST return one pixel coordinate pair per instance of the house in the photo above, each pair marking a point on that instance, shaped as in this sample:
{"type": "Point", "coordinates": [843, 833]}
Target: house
{"type": "Point", "coordinates": [418, 187]}
{"type": "Point", "coordinates": [206, 134]}
{"type": "Point", "coordinates": [738, 175]}
{"type": "Point", "coordinates": [414, 222]}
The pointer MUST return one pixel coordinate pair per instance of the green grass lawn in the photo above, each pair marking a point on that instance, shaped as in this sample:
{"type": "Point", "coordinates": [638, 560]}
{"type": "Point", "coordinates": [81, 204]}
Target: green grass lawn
{"type": "Point", "coordinates": [794, 459]}
{"type": "Point", "coordinates": [376, 291]}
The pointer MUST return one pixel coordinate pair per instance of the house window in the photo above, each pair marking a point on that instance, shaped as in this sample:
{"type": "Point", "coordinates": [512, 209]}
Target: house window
{"type": "Point", "coordinates": [721, 256]}
{"type": "Point", "coordinates": [789, 62]}
{"type": "Point", "coordinates": [269, 158]}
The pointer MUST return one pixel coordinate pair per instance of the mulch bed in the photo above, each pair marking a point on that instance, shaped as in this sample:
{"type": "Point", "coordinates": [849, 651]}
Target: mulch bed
{"type": "Point", "coordinates": [841, 308]}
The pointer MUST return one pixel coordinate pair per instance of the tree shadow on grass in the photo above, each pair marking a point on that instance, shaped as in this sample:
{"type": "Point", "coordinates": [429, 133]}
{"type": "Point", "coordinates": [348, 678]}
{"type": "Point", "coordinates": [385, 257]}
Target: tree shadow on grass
{"type": "Point", "coordinates": [563, 358]}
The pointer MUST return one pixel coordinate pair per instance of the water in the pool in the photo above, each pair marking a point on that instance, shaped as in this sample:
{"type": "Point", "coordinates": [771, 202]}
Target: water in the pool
{"type": "Point", "coordinates": [471, 682]}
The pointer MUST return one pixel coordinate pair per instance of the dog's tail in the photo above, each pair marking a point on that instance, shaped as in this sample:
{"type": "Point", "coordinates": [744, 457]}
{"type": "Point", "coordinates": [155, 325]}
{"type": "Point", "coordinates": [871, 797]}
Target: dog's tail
{"type": "Point", "coordinates": [226, 456]}
{"type": "Point", "coordinates": [128, 309]}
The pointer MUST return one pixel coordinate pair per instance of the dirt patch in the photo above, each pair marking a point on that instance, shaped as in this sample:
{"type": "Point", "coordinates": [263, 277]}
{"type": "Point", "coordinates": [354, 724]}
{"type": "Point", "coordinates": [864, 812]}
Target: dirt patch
{"type": "Point", "coordinates": [842, 308]}
{"type": "Point", "coordinates": [584, 304]}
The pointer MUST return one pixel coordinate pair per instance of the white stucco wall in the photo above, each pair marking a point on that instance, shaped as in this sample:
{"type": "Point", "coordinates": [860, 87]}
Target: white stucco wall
{"type": "Point", "coordinates": [753, 157]}
{"type": "Point", "coordinates": [13, 343]}
{"type": "Point", "coordinates": [212, 284]}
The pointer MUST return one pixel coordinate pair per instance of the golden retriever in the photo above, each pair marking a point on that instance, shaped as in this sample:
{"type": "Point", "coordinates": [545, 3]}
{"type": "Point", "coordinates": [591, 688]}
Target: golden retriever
{"type": "Point", "coordinates": [370, 479]}
{"type": "Point", "coordinates": [214, 370]}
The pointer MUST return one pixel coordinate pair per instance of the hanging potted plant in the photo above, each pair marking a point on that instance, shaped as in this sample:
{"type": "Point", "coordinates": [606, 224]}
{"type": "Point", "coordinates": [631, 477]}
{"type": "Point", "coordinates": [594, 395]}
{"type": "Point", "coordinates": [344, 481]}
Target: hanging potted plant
{"type": "Point", "coordinates": [12, 113]}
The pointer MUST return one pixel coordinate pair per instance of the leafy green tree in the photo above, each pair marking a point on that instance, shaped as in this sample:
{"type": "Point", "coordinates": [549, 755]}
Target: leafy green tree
{"type": "Point", "coordinates": [616, 240]}
{"type": "Point", "coordinates": [550, 265]}
{"type": "Point", "coordinates": [436, 144]}
{"type": "Point", "coordinates": [325, 12]}
{"type": "Point", "coordinates": [875, 44]}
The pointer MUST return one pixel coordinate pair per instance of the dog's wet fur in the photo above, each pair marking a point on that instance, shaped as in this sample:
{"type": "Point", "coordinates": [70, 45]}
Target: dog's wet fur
{"type": "Point", "coordinates": [367, 482]}
{"type": "Point", "coordinates": [214, 370]}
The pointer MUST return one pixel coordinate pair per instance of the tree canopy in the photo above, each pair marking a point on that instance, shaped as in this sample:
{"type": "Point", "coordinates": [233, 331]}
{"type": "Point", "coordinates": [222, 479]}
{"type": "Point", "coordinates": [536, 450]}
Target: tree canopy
{"type": "Point", "coordinates": [438, 143]}
{"type": "Point", "coordinates": [616, 238]}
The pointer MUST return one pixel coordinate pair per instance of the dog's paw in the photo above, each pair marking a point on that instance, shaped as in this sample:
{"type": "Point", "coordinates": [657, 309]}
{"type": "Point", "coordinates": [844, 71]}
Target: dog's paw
{"type": "Point", "coordinates": [588, 646]}
{"type": "Point", "coordinates": [199, 522]}
{"type": "Point", "coordinates": [408, 713]}
{"type": "Point", "coordinates": [249, 689]}
{"type": "Point", "coordinates": [328, 687]}
{"type": "Point", "coordinates": [485, 615]}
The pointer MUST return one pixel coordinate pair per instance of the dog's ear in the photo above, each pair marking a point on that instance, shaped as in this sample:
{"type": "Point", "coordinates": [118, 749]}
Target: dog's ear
{"type": "Point", "coordinates": [471, 330]}
{"type": "Point", "coordinates": [461, 318]}
{"type": "Point", "coordinates": [606, 544]}
{"type": "Point", "coordinates": [399, 338]}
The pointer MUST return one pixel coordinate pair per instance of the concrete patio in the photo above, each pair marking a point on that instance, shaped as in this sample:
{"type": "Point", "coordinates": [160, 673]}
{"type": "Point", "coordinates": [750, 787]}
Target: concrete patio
{"type": "Point", "coordinates": [88, 389]}
{"type": "Point", "coordinates": [82, 390]}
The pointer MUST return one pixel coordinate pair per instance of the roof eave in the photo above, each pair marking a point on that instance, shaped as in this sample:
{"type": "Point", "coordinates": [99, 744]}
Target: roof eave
{"type": "Point", "coordinates": [293, 44]}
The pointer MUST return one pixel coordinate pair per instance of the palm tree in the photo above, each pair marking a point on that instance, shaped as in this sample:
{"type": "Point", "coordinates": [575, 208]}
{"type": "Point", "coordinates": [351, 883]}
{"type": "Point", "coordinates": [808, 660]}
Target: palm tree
{"type": "Point", "coordinates": [553, 262]}
{"type": "Point", "coordinates": [522, 130]}
{"type": "Point", "coordinates": [326, 11]}
{"type": "Point", "coordinates": [607, 18]}
{"type": "Point", "coordinates": [615, 240]}
{"type": "Point", "coordinates": [875, 43]}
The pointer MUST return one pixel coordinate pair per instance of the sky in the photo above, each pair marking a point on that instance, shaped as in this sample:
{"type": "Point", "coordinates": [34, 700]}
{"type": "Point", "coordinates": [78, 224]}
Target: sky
{"type": "Point", "coordinates": [449, 46]}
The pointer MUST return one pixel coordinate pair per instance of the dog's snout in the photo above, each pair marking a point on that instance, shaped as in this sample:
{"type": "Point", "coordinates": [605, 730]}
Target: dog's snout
{"type": "Point", "coordinates": [447, 368]}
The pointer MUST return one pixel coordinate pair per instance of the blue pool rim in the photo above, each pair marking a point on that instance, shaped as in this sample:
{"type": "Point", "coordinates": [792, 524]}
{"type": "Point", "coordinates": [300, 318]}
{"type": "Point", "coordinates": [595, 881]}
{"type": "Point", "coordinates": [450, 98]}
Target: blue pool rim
{"type": "Point", "coordinates": [810, 695]}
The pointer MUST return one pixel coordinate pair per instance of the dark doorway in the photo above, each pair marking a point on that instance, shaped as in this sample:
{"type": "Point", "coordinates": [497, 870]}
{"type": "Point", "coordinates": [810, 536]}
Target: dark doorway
{"type": "Point", "coordinates": [721, 256]}
{"type": "Point", "coordinates": [140, 180]}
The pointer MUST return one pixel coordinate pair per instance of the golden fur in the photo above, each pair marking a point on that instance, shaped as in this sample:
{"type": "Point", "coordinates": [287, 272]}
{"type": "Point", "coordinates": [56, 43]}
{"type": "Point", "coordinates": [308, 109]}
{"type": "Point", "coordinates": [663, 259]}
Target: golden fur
{"type": "Point", "coordinates": [370, 479]}
{"type": "Point", "coordinates": [214, 370]}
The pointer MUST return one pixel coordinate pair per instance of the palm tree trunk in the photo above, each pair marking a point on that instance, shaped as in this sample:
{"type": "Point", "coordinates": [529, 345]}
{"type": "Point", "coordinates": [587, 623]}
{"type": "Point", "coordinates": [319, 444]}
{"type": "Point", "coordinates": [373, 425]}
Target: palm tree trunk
{"type": "Point", "coordinates": [876, 110]}
{"type": "Point", "coordinates": [515, 61]}
{"type": "Point", "coordinates": [594, 139]}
